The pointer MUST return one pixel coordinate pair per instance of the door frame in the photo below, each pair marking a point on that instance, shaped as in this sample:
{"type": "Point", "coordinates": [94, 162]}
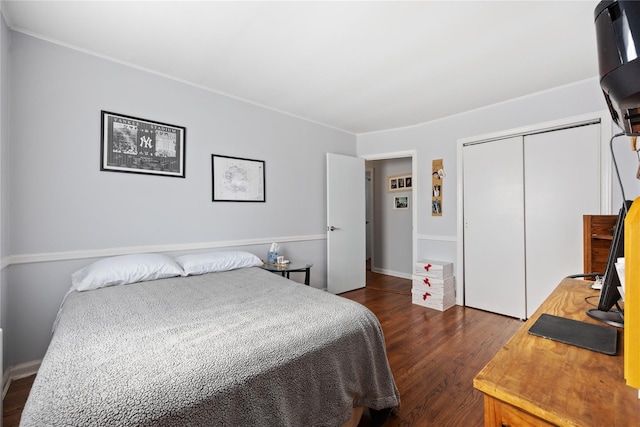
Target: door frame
{"type": "Point", "coordinates": [606, 131]}
{"type": "Point", "coordinates": [414, 195]}
{"type": "Point", "coordinates": [370, 208]}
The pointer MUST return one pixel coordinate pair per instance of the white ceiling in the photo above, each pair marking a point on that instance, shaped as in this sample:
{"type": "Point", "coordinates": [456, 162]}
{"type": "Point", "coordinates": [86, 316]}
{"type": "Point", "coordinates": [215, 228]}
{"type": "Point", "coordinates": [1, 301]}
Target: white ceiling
{"type": "Point", "coordinates": [357, 66]}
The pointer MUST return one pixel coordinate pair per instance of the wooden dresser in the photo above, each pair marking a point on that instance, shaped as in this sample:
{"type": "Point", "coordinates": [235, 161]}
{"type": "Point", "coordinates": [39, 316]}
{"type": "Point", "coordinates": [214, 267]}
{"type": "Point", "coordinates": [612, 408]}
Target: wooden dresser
{"type": "Point", "coordinates": [597, 235]}
{"type": "Point", "coordinates": [534, 381]}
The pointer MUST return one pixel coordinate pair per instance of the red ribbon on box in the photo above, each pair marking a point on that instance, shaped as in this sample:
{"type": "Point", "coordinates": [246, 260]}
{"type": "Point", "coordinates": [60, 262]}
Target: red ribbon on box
{"type": "Point", "coordinates": [426, 281]}
{"type": "Point", "coordinates": [426, 294]}
{"type": "Point", "coordinates": [427, 267]}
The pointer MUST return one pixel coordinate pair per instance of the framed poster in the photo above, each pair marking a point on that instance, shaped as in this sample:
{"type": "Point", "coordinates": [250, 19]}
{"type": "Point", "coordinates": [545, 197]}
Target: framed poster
{"type": "Point", "coordinates": [236, 179]}
{"type": "Point", "coordinates": [399, 183]}
{"type": "Point", "coordinates": [130, 144]}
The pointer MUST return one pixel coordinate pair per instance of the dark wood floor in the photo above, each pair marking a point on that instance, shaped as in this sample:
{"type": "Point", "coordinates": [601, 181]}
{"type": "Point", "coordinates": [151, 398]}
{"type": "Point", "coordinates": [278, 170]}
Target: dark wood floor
{"type": "Point", "coordinates": [382, 282]}
{"type": "Point", "coordinates": [433, 355]}
{"type": "Point", "coordinates": [14, 401]}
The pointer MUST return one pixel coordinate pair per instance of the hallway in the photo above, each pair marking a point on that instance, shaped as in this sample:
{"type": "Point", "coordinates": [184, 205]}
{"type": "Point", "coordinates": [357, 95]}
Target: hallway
{"type": "Point", "coordinates": [385, 283]}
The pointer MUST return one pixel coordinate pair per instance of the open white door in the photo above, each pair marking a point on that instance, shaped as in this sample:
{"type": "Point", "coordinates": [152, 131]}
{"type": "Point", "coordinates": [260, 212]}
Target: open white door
{"type": "Point", "coordinates": [346, 238]}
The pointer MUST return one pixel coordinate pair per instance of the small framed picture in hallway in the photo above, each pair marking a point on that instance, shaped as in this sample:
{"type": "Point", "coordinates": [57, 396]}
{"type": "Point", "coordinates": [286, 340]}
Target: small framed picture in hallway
{"type": "Point", "coordinates": [399, 183]}
{"type": "Point", "coordinates": [401, 203]}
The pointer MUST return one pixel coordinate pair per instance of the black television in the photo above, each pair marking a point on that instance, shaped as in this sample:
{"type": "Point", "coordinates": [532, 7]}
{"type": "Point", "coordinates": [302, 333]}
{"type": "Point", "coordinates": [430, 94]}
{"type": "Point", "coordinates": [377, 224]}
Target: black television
{"type": "Point", "coordinates": [609, 310]}
{"type": "Point", "coordinates": [617, 35]}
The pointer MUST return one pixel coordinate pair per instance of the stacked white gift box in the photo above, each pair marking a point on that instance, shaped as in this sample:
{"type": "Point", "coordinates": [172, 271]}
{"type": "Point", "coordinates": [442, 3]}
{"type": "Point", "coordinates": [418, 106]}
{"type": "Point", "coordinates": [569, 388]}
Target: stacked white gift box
{"type": "Point", "coordinates": [433, 285]}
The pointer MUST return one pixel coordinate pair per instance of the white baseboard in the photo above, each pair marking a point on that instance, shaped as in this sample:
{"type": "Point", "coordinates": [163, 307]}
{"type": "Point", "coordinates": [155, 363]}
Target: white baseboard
{"type": "Point", "coordinates": [19, 371]}
{"type": "Point", "coordinates": [5, 384]}
{"type": "Point", "coordinates": [391, 273]}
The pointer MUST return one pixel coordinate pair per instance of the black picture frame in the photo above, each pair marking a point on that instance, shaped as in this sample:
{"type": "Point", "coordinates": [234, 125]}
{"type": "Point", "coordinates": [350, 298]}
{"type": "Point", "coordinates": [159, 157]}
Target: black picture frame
{"type": "Point", "coordinates": [134, 145]}
{"type": "Point", "coordinates": [236, 179]}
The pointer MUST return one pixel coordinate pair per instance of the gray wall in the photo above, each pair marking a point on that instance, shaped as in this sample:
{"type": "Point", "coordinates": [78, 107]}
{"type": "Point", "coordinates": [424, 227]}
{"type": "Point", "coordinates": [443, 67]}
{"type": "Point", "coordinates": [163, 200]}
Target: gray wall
{"type": "Point", "coordinates": [438, 139]}
{"type": "Point", "coordinates": [392, 229]}
{"type": "Point", "coordinates": [62, 209]}
{"type": "Point", "coordinates": [57, 209]}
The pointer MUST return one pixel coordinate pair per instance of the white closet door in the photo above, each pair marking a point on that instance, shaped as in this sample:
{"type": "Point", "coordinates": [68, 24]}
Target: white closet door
{"type": "Point", "coordinates": [494, 273]}
{"type": "Point", "coordinates": [562, 183]}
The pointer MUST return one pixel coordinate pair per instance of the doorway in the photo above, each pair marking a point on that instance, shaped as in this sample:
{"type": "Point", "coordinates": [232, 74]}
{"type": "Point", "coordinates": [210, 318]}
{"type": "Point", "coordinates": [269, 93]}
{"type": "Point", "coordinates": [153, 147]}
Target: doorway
{"type": "Point", "coordinates": [390, 223]}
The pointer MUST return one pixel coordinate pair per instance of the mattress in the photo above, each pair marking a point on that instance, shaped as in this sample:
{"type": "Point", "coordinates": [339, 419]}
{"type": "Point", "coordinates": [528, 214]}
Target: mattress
{"type": "Point", "coordinates": [237, 348]}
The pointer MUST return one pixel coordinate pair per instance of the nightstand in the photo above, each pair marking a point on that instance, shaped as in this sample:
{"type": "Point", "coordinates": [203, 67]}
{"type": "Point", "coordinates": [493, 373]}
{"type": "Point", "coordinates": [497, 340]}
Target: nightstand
{"type": "Point", "coordinates": [292, 266]}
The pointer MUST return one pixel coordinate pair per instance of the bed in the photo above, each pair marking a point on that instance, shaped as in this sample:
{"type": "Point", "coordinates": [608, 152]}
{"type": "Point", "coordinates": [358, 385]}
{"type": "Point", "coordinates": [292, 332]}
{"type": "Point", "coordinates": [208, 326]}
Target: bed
{"type": "Point", "coordinates": [230, 347]}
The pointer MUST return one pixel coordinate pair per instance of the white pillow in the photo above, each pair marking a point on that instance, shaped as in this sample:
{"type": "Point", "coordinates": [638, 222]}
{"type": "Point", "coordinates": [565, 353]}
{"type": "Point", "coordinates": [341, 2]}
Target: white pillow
{"type": "Point", "coordinates": [125, 269]}
{"type": "Point", "coordinates": [217, 261]}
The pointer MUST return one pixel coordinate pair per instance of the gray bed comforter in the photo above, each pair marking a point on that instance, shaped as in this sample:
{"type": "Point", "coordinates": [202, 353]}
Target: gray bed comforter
{"type": "Point", "coordinates": [238, 348]}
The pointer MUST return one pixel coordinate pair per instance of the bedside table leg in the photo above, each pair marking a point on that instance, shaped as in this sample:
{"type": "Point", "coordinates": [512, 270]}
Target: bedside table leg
{"type": "Point", "coordinates": [307, 272]}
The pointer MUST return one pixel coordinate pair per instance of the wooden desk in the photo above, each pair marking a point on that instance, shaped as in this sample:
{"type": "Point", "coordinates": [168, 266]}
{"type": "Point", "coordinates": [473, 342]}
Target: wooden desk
{"type": "Point", "coordinates": [534, 381]}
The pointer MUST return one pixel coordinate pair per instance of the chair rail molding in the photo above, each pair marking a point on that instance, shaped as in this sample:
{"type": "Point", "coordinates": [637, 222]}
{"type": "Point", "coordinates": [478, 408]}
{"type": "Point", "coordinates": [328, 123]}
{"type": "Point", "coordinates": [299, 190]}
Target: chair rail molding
{"type": "Point", "coordinates": [179, 247]}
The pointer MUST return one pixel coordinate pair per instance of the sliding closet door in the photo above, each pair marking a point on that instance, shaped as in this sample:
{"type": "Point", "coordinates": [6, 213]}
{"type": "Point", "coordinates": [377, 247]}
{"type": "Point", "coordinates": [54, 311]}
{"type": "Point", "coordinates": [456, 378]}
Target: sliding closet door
{"type": "Point", "coordinates": [562, 183]}
{"type": "Point", "coordinates": [494, 273]}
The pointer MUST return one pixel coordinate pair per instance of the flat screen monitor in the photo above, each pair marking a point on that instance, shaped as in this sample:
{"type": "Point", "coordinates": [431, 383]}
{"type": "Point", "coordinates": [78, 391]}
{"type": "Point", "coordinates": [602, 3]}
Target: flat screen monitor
{"type": "Point", "coordinates": [609, 310]}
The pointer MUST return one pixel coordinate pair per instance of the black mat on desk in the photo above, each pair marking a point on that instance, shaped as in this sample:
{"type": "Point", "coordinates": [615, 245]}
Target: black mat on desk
{"type": "Point", "coordinates": [600, 338]}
